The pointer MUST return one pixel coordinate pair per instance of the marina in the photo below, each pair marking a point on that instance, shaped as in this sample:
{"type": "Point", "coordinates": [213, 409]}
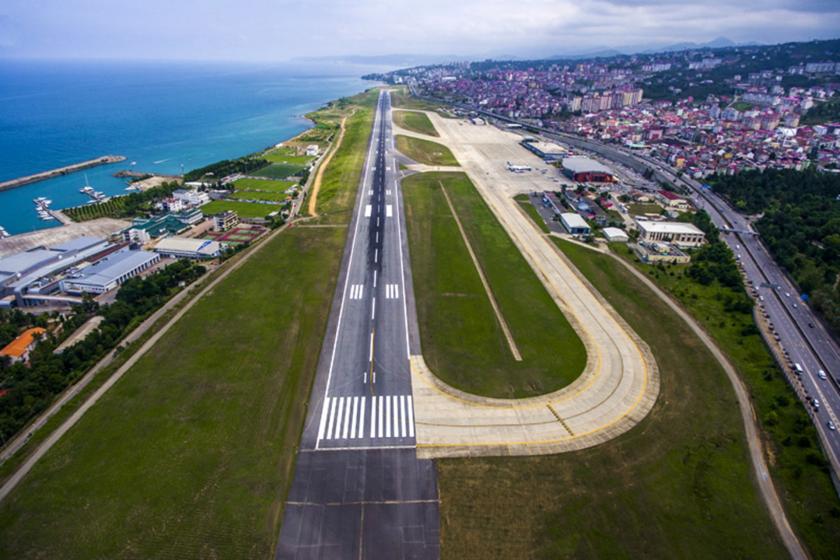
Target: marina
{"type": "Point", "coordinates": [44, 175]}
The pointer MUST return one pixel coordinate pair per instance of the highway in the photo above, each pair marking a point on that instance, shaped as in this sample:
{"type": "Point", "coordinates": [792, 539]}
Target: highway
{"type": "Point", "coordinates": [359, 489]}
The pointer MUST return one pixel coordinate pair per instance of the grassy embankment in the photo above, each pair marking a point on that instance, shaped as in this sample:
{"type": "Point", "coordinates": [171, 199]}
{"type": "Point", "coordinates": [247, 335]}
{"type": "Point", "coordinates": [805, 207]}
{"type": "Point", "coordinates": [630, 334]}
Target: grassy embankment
{"type": "Point", "coordinates": [191, 453]}
{"type": "Point", "coordinates": [401, 99]}
{"type": "Point", "coordinates": [797, 463]}
{"type": "Point", "coordinates": [679, 485]}
{"type": "Point", "coordinates": [425, 151]}
{"type": "Point", "coordinates": [415, 122]}
{"type": "Point", "coordinates": [462, 340]}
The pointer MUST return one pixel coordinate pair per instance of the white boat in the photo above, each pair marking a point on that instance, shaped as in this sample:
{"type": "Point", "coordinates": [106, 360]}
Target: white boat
{"type": "Point", "coordinates": [3, 232]}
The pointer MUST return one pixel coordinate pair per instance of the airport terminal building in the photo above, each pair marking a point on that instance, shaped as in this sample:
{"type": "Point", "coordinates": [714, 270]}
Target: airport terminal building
{"type": "Point", "coordinates": [679, 233]}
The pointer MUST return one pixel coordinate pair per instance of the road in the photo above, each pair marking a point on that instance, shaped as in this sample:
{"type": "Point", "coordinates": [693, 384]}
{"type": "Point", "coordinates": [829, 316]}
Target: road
{"type": "Point", "coordinates": [359, 489]}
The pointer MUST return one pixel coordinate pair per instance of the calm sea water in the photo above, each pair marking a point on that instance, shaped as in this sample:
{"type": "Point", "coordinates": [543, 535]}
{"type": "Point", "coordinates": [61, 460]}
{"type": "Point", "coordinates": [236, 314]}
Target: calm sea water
{"type": "Point", "coordinates": [166, 117]}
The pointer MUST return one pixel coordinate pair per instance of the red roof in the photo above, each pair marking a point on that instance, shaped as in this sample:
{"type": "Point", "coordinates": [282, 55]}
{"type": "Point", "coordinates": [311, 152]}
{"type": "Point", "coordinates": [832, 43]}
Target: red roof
{"type": "Point", "coordinates": [669, 195]}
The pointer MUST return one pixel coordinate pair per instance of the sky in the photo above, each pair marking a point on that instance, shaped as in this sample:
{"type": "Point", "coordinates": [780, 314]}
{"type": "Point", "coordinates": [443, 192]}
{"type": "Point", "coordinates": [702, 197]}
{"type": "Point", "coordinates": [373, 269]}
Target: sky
{"type": "Point", "coordinates": [275, 30]}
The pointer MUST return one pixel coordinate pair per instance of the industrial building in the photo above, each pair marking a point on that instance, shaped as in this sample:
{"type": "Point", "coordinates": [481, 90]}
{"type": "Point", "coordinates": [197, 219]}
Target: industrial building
{"type": "Point", "coordinates": [29, 277]}
{"type": "Point", "coordinates": [679, 233]}
{"type": "Point", "coordinates": [615, 235]}
{"type": "Point", "coordinates": [574, 223]}
{"type": "Point", "coordinates": [189, 248]}
{"type": "Point", "coordinates": [144, 230]}
{"type": "Point", "coordinates": [586, 170]}
{"type": "Point", "coordinates": [546, 150]}
{"type": "Point", "coordinates": [108, 273]}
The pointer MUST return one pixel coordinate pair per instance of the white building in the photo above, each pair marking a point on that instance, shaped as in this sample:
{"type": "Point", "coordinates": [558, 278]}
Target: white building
{"type": "Point", "coordinates": [615, 235]}
{"type": "Point", "coordinates": [312, 150]}
{"type": "Point", "coordinates": [191, 197]}
{"type": "Point", "coordinates": [574, 223]}
{"type": "Point", "coordinates": [186, 247]}
{"type": "Point", "coordinates": [109, 273]}
{"type": "Point", "coordinates": [679, 233]}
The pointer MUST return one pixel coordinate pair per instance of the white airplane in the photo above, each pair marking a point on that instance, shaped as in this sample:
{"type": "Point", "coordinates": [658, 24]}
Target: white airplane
{"type": "Point", "coordinates": [518, 168]}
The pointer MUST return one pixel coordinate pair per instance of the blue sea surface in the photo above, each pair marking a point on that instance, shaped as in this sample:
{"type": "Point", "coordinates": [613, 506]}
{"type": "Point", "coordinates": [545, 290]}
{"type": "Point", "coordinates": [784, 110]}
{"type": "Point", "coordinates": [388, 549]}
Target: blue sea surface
{"type": "Point", "coordinates": [166, 117]}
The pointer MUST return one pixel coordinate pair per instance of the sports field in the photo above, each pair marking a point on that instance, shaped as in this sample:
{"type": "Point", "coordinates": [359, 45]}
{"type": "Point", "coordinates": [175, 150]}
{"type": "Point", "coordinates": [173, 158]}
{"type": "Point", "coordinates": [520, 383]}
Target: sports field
{"type": "Point", "coordinates": [416, 122]}
{"type": "Point", "coordinates": [463, 343]}
{"type": "Point", "coordinates": [244, 209]}
{"type": "Point", "coordinates": [679, 485]}
{"type": "Point", "coordinates": [425, 151]}
{"type": "Point", "coordinates": [262, 185]}
{"type": "Point", "coordinates": [288, 155]}
{"type": "Point", "coordinates": [278, 171]}
{"type": "Point", "coordinates": [259, 195]}
{"type": "Point", "coordinates": [190, 455]}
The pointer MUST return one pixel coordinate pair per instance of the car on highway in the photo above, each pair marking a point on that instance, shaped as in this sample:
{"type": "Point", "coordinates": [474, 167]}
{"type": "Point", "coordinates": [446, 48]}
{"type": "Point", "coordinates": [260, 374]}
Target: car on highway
{"type": "Point", "coordinates": [831, 425]}
{"type": "Point", "coordinates": [816, 403]}
{"type": "Point", "coordinates": [821, 374]}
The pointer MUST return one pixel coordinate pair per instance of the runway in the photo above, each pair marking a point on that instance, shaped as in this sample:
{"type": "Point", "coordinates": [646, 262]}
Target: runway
{"type": "Point", "coordinates": [359, 489]}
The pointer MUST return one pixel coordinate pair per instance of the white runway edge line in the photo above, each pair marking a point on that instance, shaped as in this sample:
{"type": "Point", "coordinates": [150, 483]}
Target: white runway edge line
{"type": "Point", "coordinates": [366, 181]}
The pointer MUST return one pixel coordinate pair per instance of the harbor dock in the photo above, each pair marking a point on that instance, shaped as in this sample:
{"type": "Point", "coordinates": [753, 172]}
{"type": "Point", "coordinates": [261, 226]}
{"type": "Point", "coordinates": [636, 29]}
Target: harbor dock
{"type": "Point", "coordinates": [44, 175]}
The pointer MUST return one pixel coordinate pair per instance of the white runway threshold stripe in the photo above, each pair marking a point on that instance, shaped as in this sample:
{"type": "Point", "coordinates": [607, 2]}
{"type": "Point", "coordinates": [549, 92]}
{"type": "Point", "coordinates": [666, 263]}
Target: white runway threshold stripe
{"type": "Point", "coordinates": [389, 210]}
{"type": "Point", "coordinates": [343, 418]}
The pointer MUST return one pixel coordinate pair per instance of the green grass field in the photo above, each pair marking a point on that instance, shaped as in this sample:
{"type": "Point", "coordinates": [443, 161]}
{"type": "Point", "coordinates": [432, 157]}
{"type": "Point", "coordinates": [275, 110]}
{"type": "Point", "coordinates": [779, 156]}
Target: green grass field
{"type": "Point", "coordinates": [462, 340]}
{"type": "Point", "coordinates": [335, 200]}
{"type": "Point", "coordinates": [258, 195]}
{"type": "Point", "coordinates": [286, 155]}
{"type": "Point", "coordinates": [278, 171]}
{"type": "Point", "coordinates": [425, 151]}
{"type": "Point", "coordinates": [798, 465]}
{"type": "Point", "coordinates": [401, 99]}
{"type": "Point", "coordinates": [243, 209]}
{"type": "Point", "coordinates": [640, 208]}
{"type": "Point", "coordinates": [416, 122]}
{"type": "Point", "coordinates": [262, 185]}
{"type": "Point", "coordinates": [191, 453]}
{"type": "Point", "coordinates": [678, 485]}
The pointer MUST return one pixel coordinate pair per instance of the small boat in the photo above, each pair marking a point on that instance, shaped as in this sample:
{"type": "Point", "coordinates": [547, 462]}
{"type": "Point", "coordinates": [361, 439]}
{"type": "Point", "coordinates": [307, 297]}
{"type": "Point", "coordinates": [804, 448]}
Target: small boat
{"type": "Point", "coordinates": [3, 232]}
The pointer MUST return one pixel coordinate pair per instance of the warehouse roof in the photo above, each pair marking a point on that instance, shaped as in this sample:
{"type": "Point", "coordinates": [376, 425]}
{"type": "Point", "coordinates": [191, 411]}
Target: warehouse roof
{"type": "Point", "coordinates": [572, 220]}
{"type": "Point", "coordinates": [112, 267]}
{"type": "Point", "coordinates": [583, 164]}
{"type": "Point", "coordinates": [669, 227]}
{"type": "Point", "coordinates": [22, 262]}
{"type": "Point", "coordinates": [189, 245]}
{"type": "Point", "coordinates": [79, 244]}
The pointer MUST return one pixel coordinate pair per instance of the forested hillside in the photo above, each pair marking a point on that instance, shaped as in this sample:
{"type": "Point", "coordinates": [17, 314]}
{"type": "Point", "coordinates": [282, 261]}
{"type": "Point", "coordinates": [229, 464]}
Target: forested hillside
{"type": "Point", "coordinates": [800, 226]}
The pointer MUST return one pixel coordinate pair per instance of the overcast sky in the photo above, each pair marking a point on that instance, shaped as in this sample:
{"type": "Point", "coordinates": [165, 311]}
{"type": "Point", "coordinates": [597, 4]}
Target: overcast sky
{"type": "Point", "coordinates": [281, 29]}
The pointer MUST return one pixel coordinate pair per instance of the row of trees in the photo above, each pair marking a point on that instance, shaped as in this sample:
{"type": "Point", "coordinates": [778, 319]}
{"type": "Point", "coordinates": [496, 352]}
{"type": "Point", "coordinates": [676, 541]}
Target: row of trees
{"type": "Point", "coordinates": [125, 206]}
{"type": "Point", "coordinates": [29, 389]}
{"type": "Point", "coordinates": [800, 225]}
{"type": "Point", "coordinates": [227, 167]}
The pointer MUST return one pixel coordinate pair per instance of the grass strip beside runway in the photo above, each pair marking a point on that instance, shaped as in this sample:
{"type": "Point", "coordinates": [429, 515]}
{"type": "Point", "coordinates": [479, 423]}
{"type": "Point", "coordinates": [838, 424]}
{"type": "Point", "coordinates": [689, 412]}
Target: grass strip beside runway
{"type": "Point", "coordinates": [190, 455]}
{"type": "Point", "coordinates": [425, 151]}
{"type": "Point", "coordinates": [415, 122]}
{"type": "Point", "coordinates": [678, 485]}
{"type": "Point", "coordinates": [462, 341]}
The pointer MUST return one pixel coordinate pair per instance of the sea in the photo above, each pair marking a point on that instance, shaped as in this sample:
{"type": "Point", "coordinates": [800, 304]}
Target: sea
{"type": "Point", "coordinates": [164, 117]}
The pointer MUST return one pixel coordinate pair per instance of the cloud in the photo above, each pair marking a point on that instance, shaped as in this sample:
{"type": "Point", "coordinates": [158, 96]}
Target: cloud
{"type": "Point", "coordinates": [272, 29]}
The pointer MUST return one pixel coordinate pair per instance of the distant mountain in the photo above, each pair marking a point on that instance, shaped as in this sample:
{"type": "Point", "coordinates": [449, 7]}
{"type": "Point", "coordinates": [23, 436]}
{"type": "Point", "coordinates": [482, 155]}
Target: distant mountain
{"type": "Point", "coordinates": [716, 43]}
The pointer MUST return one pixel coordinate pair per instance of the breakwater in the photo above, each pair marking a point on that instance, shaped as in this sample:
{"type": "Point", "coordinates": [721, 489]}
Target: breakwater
{"type": "Point", "coordinates": [44, 175]}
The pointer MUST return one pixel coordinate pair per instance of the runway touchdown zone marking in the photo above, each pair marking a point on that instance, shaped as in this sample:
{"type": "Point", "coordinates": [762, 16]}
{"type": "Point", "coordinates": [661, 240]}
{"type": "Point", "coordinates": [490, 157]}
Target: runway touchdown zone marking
{"type": "Point", "coordinates": [392, 291]}
{"type": "Point", "coordinates": [357, 291]}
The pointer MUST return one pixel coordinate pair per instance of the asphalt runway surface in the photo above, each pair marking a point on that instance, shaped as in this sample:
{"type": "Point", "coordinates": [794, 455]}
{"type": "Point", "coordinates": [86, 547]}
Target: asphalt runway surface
{"type": "Point", "coordinates": [359, 489]}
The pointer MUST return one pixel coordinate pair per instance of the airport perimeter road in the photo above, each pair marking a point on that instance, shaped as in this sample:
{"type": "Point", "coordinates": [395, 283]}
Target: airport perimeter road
{"type": "Point", "coordinates": [359, 489]}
